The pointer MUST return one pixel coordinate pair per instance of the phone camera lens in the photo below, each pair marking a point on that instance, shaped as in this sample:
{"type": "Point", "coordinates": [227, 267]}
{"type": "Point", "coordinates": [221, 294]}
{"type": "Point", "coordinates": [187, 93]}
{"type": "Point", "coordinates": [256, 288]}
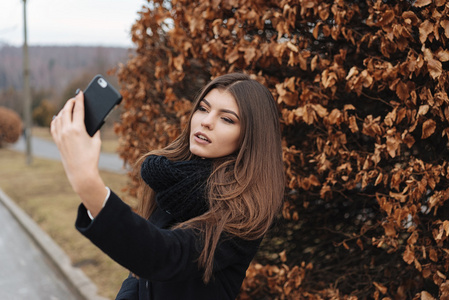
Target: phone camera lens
{"type": "Point", "coordinates": [102, 82]}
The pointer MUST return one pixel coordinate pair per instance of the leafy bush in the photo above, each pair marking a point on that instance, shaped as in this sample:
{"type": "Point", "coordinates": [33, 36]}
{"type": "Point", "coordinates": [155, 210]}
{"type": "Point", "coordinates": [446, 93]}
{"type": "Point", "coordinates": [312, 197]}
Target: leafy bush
{"type": "Point", "coordinates": [361, 87]}
{"type": "Point", "coordinates": [43, 114]}
{"type": "Point", "coordinates": [10, 126]}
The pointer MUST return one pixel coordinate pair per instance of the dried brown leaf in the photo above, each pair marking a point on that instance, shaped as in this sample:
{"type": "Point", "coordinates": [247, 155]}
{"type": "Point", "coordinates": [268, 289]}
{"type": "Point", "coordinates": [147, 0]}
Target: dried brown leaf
{"type": "Point", "coordinates": [402, 91]}
{"type": "Point", "coordinates": [428, 128]}
{"type": "Point", "coordinates": [408, 255]}
{"type": "Point", "coordinates": [433, 255]}
{"type": "Point", "coordinates": [445, 25]}
{"type": "Point", "coordinates": [434, 66]}
{"type": "Point", "coordinates": [380, 287]}
{"type": "Point", "coordinates": [426, 296]}
{"type": "Point", "coordinates": [353, 124]}
{"type": "Point", "coordinates": [410, 17]}
{"type": "Point", "coordinates": [442, 55]}
{"type": "Point", "coordinates": [421, 3]}
{"type": "Point", "coordinates": [425, 29]}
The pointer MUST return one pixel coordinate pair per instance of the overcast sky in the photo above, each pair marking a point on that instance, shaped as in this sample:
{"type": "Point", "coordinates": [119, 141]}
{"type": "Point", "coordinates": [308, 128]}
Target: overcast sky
{"type": "Point", "coordinates": [69, 22]}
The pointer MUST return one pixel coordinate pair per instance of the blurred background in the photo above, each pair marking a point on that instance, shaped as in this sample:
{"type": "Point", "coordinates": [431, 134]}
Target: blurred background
{"type": "Point", "coordinates": [69, 42]}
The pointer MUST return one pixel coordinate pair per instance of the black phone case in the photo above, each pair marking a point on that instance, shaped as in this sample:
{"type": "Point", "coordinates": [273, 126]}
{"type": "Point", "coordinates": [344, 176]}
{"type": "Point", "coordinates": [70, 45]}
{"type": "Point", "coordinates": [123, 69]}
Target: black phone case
{"type": "Point", "coordinates": [98, 103]}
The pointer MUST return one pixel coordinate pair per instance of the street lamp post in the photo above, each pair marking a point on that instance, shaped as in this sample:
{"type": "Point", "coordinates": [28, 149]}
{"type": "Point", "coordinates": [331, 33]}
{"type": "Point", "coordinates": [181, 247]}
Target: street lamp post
{"type": "Point", "coordinates": [26, 90]}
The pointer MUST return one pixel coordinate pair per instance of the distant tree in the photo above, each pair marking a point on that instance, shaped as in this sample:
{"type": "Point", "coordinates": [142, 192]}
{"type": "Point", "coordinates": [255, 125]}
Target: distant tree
{"type": "Point", "coordinates": [12, 99]}
{"type": "Point", "coordinates": [43, 114]}
{"type": "Point", "coordinates": [362, 92]}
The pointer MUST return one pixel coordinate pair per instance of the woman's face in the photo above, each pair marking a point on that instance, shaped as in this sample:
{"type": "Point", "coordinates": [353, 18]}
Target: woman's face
{"type": "Point", "coordinates": [215, 126]}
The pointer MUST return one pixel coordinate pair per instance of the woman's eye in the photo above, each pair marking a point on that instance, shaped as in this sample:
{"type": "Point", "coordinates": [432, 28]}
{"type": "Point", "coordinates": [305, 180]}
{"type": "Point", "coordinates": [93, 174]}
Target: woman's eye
{"type": "Point", "coordinates": [228, 120]}
{"type": "Point", "coordinates": [201, 108]}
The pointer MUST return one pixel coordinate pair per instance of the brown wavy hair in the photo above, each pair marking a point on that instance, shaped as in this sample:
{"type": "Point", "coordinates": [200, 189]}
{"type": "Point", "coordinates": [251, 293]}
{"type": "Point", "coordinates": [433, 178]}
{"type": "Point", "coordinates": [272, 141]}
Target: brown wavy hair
{"type": "Point", "coordinates": [245, 189]}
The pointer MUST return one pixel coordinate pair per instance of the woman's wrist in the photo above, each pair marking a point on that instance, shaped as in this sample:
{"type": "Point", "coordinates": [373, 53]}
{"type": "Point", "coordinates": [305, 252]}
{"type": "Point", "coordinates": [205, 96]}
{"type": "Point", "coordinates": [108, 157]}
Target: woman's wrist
{"type": "Point", "coordinates": [104, 203]}
{"type": "Point", "coordinates": [84, 180]}
{"type": "Point", "coordinates": [92, 192]}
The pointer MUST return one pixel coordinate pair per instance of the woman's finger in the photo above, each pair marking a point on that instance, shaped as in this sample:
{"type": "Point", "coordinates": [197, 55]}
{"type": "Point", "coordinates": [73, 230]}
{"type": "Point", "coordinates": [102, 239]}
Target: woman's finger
{"type": "Point", "coordinates": [60, 120]}
{"type": "Point", "coordinates": [78, 110]}
{"type": "Point", "coordinates": [67, 111]}
{"type": "Point", "coordinates": [53, 126]}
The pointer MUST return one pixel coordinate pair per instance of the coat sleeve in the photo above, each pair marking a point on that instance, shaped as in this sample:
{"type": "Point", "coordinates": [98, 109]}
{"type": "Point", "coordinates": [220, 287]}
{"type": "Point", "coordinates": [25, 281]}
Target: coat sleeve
{"type": "Point", "coordinates": [148, 251]}
{"type": "Point", "coordinates": [138, 245]}
{"type": "Point", "coordinates": [129, 289]}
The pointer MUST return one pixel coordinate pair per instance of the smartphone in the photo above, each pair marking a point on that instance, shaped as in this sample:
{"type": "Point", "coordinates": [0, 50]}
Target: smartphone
{"type": "Point", "coordinates": [100, 97]}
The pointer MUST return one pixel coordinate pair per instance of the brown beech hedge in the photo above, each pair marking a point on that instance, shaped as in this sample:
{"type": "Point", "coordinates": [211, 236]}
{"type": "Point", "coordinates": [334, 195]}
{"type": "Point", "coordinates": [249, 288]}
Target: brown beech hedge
{"type": "Point", "coordinates": [362, 93]}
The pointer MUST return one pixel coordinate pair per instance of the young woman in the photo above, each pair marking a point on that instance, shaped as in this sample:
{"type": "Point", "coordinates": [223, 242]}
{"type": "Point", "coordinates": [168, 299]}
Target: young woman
{"type": "Point", "coordinates": [207, 198]}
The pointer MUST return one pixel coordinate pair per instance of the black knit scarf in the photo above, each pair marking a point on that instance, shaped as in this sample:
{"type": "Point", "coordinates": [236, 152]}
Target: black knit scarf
{"type": "Point", "coordinates": [179, 186]}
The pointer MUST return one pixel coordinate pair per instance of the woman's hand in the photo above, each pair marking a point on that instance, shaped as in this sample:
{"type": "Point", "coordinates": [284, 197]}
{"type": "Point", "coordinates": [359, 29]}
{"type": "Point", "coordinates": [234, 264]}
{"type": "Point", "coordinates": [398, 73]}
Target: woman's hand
{"type": "Point", "coordinates": [80, 153]}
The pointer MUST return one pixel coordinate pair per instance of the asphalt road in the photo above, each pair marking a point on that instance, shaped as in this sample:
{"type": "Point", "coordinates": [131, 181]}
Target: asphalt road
{"type": "Point", "coordinates": [25, 272]}
{"type": "Point", "coordinates": [47, 149]}
{"type": "Point", "coordinates": [32, 265]}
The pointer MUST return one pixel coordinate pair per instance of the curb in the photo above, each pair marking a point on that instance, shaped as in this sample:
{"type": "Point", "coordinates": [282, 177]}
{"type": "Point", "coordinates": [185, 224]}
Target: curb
{"type": "Point", "coordinates": [76, 278]}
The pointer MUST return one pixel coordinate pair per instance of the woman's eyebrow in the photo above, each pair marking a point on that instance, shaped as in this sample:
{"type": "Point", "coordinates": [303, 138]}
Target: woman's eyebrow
{"type": "Point", "coordinates": [222, 110]}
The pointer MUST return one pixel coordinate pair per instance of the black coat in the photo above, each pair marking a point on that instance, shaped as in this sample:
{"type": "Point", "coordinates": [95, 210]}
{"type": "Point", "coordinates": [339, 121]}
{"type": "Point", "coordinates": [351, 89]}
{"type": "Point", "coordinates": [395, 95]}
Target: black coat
{"type": "Point", "coordinates": [165, 260]}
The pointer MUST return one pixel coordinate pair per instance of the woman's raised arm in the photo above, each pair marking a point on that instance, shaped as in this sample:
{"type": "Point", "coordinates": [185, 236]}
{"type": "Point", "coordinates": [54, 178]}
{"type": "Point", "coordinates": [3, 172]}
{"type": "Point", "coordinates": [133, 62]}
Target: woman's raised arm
{"type": "Point", "coordinates": [80, 154]}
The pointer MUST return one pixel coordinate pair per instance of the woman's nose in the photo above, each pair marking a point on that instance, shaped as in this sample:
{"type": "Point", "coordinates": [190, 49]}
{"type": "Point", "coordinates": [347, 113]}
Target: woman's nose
{"type": "Point", "coordinates": [208, 122]}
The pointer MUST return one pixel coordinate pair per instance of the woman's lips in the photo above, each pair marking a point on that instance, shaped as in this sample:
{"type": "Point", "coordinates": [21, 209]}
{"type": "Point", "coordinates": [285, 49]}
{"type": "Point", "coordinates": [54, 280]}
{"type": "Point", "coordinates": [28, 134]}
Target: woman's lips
{"type": "Point", "coordinates": [202, 138]}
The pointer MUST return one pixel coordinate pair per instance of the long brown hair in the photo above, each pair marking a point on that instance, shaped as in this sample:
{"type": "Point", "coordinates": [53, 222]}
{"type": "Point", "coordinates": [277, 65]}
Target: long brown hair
{"type": "Point", "coordinates": [245, 189]}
